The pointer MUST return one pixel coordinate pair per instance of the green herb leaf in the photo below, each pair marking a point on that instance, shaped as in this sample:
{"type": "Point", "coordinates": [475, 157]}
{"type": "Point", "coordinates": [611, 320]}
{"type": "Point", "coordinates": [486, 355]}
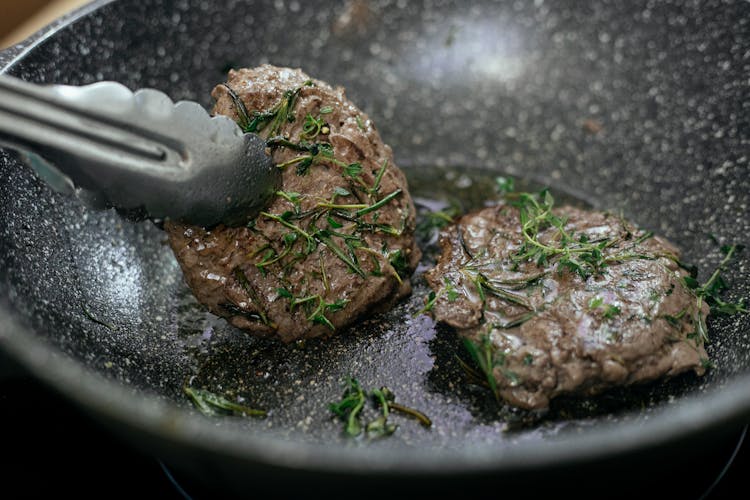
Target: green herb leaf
{"type": "Point", "coordinates": [350, 406]}
{"type": "Point", "coordinates": [504, 184]}
{"type": "Point", "coordinates": [360, 125]}
{"type": "Point", "coordinates": [611, 311]}
{"type": "Point", "coordinates": [595, 302]}
{"type": "Point", "coordinates": [339, 191]}
{"type": "Point", "coordinates": [212, 404]}
{"type": "Point", "coordinates": [353, 169]}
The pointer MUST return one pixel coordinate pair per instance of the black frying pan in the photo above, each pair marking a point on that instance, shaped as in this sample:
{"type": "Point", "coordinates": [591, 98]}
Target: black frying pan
{"type": "Point", "coordinates": [618, 104]}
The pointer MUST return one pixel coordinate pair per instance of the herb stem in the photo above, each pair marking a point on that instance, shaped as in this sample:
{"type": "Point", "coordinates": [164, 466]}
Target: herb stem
{"type": "Point", "coordinates": [288, 225]}
{"type": "Point", "coordinates": [379, 204]}
{"type": "Point", "coordinates": [423, 419]}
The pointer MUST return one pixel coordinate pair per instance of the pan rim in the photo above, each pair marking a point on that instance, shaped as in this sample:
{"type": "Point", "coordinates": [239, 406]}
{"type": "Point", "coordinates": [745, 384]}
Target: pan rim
{"type": "Point", "coordinates": [149, 414]}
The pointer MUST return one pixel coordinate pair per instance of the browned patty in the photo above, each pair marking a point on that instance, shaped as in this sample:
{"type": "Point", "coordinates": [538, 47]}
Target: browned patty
{"type": "Point", "coordinates": [335, 244]}
{"type": "Point", "coordinates": [548, 329]}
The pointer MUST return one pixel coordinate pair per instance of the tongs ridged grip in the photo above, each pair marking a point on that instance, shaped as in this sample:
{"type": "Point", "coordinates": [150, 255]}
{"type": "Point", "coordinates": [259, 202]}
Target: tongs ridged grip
{"type": "Point", "coordinates": [139, 150]}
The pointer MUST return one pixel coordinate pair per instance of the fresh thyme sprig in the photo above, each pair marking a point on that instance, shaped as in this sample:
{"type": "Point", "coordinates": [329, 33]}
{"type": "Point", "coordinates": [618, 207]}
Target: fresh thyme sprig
{"type": "Point", "coordinates": [710, 292]}
{"type": "Point", "coordinates": [349, 409]}
{"type": "Point", "coordinates": [316, 314]}
{"type": "Point", "coordinates": [350, 406]}
{"type": "Point", "coordinates": [578, 254]}
{"type": "Point", "coordinates": [276, 116]}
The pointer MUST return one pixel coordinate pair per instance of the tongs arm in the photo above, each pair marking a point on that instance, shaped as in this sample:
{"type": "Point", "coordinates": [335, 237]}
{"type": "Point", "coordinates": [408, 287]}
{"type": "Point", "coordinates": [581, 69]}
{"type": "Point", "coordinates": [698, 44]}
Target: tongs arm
{"type": "Point", "coordinates": [140, 150]}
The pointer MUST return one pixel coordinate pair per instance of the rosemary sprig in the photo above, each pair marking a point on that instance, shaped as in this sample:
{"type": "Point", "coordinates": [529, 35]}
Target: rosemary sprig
{"type": "Point", "coordinates": [214, 405]}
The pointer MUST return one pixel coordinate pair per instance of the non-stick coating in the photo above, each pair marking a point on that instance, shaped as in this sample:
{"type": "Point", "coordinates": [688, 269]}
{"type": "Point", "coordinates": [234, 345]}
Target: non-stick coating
{"type": "Point", "coordinates": [632, 106]}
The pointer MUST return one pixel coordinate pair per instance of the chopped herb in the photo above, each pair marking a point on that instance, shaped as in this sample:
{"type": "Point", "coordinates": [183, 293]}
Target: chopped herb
{"type": "Point", "coordinates": [483, 354]}
{"type": "Point", "coordinates": [323, 237]}
{"type": "Point", "coordinates": [504, 185]}
{"type": "Point", "coordinates": [350, 406]}
{"type": "Point", "coordinates": [528, 359]}
{"type": "Point", "coordinates": [675, 319]}
{"type": "Point", "coordinates": [482, 284]}
{"type": "Point", "coordinates": [360, 125]}
{"type": "Point", "coordinates": [214, 405]}
{"type": "Point", "coordinates": [292, 197]}
{"type": "Point", "coordinates": [314, 126]}
{"type": "Point", "coordinates": [595, 302]}
{"type": "Point", "coordinates": [579, 256]}
{"type": "Point", "coordinates": [349, 409]}
{"type": "Point", "coordinates": [711, 290]}
{"type": "Point", "coordinates": [277, 116]}
{"type": "Point", "coordinates": [430, 223]}
{"type": "Point", "coordinates": [241, 278]}
{"type": "Point", "coordinates": [93, 318]}
{"type": "Point", "coordinates": [450, 290]}
{"type": "Point", "coordinates": [611, 311]}
{"type": "Point", "coordinates": [378, 178]}
{"type": "Point", "coordinates": [429, 303]}
{"type": "Point", "coordinates": [353, 170]}
{"type": "Point", "coordinates": [421, 417]}
{"type": "Point", "coordinates": [514, 322]}
{"type": "Point", "coordinates": [397, 260]}
{"type": "Point", "coordinates": [339, 191]}
{"type": "Point", "coordinates": [326, 110]}
{"type": "Point", "coordinates": [380, 427]}
{"type": "Point", "coordinates": [315, 306]}
{"type": "Point", "coordinates": [375, 206]}
{"type": "Point", "coordinates": [334, 223]}
{"type": "Point", "coordinates": [243, 117]}
{"type": "Point", "coordinates": [266, 259]}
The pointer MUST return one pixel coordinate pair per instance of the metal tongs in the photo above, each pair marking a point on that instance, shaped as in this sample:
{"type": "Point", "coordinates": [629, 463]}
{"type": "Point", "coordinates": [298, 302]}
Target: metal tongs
{"type": "Point", "coordinates": [137, 151]}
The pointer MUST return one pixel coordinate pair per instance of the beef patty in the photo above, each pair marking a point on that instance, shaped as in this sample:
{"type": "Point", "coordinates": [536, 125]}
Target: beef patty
{"type": "Point", "coordinates": [335, 244]}
{"type": "Point", "coordinates": [563, 300]}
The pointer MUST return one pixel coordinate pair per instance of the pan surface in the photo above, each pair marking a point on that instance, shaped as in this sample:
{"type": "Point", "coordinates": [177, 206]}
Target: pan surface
{"type": "Point", "coordinates": [630, 106]}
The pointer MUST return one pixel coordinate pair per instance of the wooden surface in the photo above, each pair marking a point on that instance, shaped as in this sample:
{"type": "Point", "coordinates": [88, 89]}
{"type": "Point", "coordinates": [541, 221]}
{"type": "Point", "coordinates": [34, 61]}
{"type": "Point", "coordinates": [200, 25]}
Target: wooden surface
{"type": "Point", "coordinates": [21, 18]}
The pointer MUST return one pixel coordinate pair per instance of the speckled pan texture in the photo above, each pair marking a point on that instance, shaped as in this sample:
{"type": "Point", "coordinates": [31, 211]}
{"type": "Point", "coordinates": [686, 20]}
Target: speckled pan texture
{"type": "Point", "coordinates": [638, 107]}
